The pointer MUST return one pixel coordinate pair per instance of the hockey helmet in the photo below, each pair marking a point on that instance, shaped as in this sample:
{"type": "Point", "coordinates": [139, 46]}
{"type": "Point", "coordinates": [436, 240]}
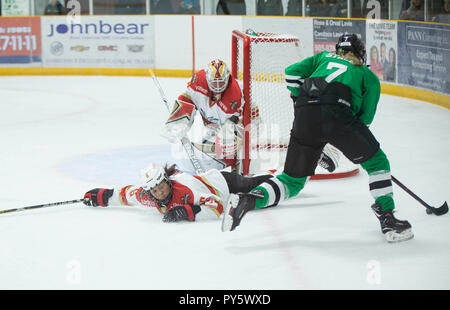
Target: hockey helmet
{"type": "Point", "coordinates": [217, 75]}
{"type": "Point", "coordinates": [351, 43]}
{"type": "Point", "coordinates": [151, 177]}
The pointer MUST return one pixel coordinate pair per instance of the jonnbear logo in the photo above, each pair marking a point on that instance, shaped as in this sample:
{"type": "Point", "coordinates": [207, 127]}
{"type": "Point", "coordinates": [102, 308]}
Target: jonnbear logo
{"type": "Point", "coordinates": [99, 27]}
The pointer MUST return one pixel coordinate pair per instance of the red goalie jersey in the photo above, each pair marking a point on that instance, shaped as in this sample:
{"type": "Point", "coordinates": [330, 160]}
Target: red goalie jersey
{"type": "Point", "coordinates": [214, 108]}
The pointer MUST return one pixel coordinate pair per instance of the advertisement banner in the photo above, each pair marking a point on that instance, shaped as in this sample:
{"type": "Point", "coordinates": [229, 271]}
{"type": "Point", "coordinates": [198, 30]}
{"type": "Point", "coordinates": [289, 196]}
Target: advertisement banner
{"type": "Point", "coordinates": [20, 40]}
{"type": "Point", "coordinates": [328, 31]}
{"type": "Point", "coordinates": [424, 56]}
{"type": "Point", "coordinates": [98, 42]}
{"type": "Point", "coordinates": [381, 46]}
{"type": "Point", "coordinates": [15, 7]}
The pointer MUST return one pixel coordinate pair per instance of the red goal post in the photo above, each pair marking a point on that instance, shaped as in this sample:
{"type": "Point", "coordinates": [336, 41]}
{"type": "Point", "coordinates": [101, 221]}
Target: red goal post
{"type": "Point", "coordinates": [258, 61]}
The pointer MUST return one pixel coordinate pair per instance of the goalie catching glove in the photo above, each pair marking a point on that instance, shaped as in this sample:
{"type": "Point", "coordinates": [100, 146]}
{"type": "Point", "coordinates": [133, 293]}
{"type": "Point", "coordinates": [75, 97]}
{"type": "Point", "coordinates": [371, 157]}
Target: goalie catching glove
{"type": "Point", "coordinates": [98, 197]}
{"type": "Point", "coordinates": [180, 213]}
{"type": "Point", "coordinates": [180, 121]}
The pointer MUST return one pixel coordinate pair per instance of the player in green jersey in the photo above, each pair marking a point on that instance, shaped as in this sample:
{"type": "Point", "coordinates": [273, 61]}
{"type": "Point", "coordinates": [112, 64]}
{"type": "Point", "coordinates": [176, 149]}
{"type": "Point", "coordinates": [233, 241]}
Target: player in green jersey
{"type": "Point", "coordinates": [336, 97]}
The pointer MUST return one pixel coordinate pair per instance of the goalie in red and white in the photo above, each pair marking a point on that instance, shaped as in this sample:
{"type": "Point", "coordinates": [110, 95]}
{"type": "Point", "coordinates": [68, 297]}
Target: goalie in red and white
{"type": "Point", "coordinates": [177, 195]}
{"type": "Point", "coordinates": [217, 96]}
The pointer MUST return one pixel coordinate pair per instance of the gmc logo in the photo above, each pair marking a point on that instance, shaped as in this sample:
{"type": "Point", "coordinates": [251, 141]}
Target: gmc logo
{"type": "Point", "coordinates": [107, 48]}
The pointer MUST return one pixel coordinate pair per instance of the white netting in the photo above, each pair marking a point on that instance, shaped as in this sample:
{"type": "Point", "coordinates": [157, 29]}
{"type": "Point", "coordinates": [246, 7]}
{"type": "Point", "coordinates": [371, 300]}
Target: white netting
{"type": "Point", "coordinates": [272, 110]}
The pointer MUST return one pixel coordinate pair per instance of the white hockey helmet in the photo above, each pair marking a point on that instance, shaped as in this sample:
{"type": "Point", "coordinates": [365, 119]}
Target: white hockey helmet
{"type": "Point", "coordinates": [152, 176]}
{"type": "Point", "coordinates": [217, 75]}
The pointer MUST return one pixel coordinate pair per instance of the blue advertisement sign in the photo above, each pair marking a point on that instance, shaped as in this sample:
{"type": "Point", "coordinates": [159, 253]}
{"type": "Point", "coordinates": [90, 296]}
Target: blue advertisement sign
{"type": "Point", "coordinates": [424, 56]}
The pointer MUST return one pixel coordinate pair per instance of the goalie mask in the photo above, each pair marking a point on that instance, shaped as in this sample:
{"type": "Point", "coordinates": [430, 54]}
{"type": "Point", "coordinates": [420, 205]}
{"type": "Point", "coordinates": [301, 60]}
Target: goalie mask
{"type": "Point", "coordinates": [217, 76]}
{"type": "Point", "coordinates": [156, 184]}
{"type": "Point", "coordinates": [351, 43]}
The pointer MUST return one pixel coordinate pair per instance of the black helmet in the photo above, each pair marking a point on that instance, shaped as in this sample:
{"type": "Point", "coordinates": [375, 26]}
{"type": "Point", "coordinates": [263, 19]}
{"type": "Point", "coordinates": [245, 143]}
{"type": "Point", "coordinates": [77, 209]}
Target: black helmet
{"type": "Point", "coordinates": [351, 43]}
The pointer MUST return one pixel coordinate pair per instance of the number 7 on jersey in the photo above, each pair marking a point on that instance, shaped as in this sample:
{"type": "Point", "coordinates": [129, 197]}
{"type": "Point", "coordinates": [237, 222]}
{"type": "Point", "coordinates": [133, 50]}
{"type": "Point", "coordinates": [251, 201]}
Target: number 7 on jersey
{"type": "Point", "coordinates": [340, 69]}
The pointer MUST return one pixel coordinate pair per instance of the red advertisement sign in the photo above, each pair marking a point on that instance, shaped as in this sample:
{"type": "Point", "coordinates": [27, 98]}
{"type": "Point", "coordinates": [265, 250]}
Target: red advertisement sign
{"type": "Point", "coordinates": [20, 40]}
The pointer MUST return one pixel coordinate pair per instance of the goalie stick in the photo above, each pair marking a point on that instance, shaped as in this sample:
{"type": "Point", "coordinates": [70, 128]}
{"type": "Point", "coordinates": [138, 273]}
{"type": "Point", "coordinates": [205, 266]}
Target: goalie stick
{"type": "Point", "coordinates": [184, 141]}
{"type": "Point", "coordinates": [42, 206]}
{"type": "Point", "coordinates": [430, 210]}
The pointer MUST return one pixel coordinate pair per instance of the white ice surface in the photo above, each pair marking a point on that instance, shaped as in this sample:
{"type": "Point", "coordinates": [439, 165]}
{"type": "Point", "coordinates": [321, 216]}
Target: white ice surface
{"type": "Point", "coordinates": [62, 136]}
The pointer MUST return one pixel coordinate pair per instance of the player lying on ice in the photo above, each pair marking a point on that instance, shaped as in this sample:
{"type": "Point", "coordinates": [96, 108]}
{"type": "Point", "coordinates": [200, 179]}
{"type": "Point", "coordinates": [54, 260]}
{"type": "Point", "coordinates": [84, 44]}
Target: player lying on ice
{"type": "Point", "coordinates": [177, 195]}
{"type": "Point", "coordinates": [336, 97]}
{"type": "Point", "coordinates": [217, 96]}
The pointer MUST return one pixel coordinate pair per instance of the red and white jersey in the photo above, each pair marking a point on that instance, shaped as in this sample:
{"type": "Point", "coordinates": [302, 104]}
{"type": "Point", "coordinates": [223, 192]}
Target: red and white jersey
{"type": "Point", "coordinates": [213, 110]}
{"type": "Point", "coordinates": [208, 190]}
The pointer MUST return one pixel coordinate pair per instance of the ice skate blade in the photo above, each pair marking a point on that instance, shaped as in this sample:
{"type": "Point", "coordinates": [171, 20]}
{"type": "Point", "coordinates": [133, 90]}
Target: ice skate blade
{"type": "Point", "coordinates": [227, 220]}
{"type": "Point", "coordinates": [392, 236]}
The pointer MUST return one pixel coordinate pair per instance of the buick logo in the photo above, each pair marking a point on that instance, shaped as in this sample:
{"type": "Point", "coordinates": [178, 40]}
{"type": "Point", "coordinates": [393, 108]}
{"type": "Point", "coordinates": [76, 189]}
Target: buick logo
{"type": "Point", "coordinates": [135, 48]}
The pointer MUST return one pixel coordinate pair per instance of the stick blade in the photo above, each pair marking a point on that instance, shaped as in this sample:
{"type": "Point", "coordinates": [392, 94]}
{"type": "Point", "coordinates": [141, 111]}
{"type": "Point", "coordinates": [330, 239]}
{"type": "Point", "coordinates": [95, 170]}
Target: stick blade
{"type": "Point", "coordinates": [442, 209]}
{"type": "Point", "coordinates": [438, 211]}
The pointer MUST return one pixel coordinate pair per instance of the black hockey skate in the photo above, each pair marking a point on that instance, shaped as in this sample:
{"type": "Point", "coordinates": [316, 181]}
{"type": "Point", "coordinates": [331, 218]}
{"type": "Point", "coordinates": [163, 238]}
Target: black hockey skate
{"type": "Point", "coordinates": [237, 206]}
{"type": "Point", "coordinates": [395, 230]}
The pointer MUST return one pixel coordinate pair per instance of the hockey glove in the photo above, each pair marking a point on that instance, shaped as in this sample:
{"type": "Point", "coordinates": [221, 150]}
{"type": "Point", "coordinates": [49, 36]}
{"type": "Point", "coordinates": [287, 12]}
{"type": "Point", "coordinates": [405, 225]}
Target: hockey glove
{"type": "Point", "coordinates": [180, 213]}
{"type": "Point", "coordinates": [98, 197]}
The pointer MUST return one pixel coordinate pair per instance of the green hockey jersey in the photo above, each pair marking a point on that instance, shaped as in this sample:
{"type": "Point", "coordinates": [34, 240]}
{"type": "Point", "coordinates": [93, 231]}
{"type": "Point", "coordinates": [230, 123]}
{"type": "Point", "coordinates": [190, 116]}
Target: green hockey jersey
{"type": "Point", "coordinates": [364, 84]}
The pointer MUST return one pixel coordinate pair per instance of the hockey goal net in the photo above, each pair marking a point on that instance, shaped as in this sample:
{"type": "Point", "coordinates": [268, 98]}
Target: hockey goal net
{"type": "Point", "coordinates": [258, 62]}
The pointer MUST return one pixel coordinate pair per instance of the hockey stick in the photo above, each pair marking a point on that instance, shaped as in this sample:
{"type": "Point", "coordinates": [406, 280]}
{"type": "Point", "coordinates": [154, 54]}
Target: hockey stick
{"type": "Point", "coordinates": [42, 206]}
{"type": "Point", "coordinates": [184, 141]}
{"type": "Point", "coordinates": [430, 210]}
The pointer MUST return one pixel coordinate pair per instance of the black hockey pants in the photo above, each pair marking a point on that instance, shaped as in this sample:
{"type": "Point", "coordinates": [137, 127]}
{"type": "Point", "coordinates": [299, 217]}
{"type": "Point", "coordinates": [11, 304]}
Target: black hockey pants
{"type": "Point", "coordinates": [323, 116]}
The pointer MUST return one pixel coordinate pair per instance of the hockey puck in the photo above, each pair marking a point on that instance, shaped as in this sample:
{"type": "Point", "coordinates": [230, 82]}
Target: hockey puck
{"type": "Point", "coordinates": [429, 211]}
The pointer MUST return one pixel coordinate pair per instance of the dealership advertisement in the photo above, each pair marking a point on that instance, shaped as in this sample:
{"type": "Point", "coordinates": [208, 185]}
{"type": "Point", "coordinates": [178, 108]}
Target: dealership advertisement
{"type": "Point", "coordinates": [381, 46]}
{"type": "Point", "coordinates": [424, 56]}
{"type": "Point", "coordinates": [328, 31]}
{"type": "Point", "coordinates": [98, 41]}
{"type": "Point", "coordinates": [20, 40]}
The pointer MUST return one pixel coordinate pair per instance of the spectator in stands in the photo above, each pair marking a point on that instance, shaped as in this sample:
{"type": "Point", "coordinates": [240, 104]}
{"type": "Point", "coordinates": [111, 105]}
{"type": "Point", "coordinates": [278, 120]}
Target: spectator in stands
{"type": "Point", "coordinates": [54, 7]}
{"type": "Point", "coordinates": [375, 65]}
{"type": "Point", "coordinates": [191, 7]}
{"type": "Point", "coordinates": [339, 8]}
{"type": "Point", "coordinates": [231, 7]}
{"type": "Point", "coordinates": [166, 6]}
{"type": "Point", "coordinates": [443, 18]}
{"type": "Point", "coordinates": [294, 8]}
{"type": "Point", "coordinates": [389, 73]}
{"type": "Point", "coordinates": [414, 12]}
{"type": "Point", "coordinates": [269, 7]}
{"type": "Point", "coordinates": [322, 8]}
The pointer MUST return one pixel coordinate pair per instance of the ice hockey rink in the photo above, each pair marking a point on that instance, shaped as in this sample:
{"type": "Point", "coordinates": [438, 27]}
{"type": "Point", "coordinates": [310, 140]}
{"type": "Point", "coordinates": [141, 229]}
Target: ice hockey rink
{"type": "Point", "coordinates": [62, 136]}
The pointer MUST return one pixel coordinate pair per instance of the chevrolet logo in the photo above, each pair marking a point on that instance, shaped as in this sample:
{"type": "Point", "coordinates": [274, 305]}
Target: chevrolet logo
{"type": "Point", "coordinates": [79, 48]}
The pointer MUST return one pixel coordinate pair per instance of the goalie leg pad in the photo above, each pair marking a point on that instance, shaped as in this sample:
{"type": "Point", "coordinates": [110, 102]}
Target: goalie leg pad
{"type": "Point", "coordinates": [329, 159]}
